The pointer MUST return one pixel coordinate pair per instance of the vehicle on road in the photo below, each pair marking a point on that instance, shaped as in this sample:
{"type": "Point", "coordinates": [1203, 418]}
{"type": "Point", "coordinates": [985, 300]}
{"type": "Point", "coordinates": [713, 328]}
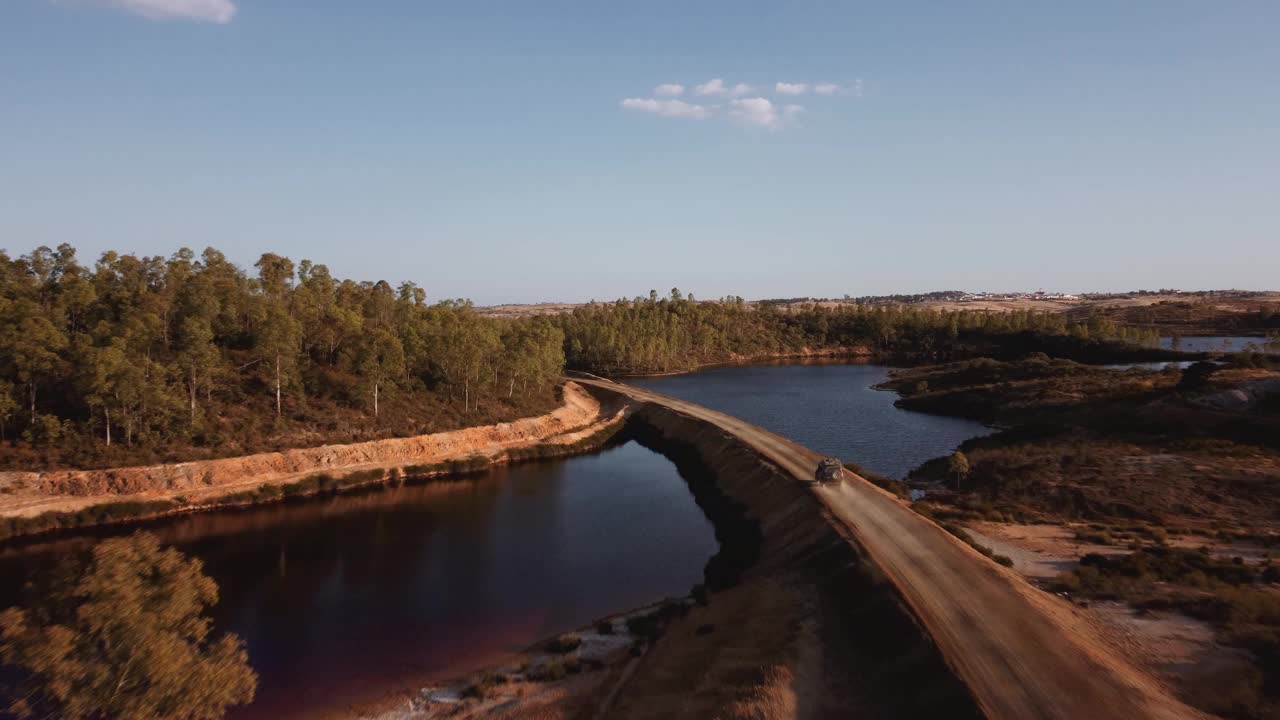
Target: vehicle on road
{"type": "Point", "coordinates": [830, 470]}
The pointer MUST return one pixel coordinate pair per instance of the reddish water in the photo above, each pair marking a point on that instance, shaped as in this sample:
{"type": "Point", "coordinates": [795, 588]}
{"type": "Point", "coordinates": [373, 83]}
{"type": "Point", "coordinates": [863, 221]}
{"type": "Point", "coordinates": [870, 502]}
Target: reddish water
{"type": "Point", "coordinates": [346, 600]}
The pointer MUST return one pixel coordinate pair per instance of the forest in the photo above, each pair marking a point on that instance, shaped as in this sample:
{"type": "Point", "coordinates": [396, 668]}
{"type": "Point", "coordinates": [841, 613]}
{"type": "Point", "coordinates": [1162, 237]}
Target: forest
{"type": "Point", "coordinates": [661, 334]}
{"type": "Point", "coordinates": [145, 359]}
{"type": "Point", "coordinates": [150, 359]}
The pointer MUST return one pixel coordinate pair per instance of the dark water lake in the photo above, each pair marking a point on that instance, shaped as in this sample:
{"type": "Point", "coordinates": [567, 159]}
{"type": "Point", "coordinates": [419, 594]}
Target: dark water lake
{"type": "Point", "coordinates": [1219, 344]}
{"type": "Point", "coordinates": [345, 599]}
{"type": "Point", "coordinates": [354, 598]}
{"type": "Point", "coordinates": [825, 406]}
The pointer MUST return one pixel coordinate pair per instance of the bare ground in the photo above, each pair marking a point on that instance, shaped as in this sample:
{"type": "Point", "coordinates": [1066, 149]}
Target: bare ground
{"type": "Point", "coordinates": [1178, 649]}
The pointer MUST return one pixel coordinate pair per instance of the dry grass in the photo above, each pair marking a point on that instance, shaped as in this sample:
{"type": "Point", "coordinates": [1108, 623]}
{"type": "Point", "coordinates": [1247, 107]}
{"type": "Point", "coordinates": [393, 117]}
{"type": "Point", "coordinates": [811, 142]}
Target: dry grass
{"type": "Point", "coordinates": [773, 699]}
{"type": "Point", "coordinates": [688, 674]}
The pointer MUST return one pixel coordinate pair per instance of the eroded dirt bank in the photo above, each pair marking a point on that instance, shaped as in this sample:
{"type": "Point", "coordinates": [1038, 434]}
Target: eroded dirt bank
{"type": "Point", "coordinates": [201, 484]}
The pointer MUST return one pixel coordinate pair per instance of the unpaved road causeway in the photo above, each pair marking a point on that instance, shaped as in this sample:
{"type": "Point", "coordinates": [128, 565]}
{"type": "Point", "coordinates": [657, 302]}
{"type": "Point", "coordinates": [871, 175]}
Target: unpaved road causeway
{"type": "Point", "coordinates": [1022, 652]}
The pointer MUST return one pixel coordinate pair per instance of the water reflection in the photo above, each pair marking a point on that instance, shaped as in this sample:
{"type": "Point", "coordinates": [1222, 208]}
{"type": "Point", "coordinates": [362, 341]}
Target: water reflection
{"type": "Point", "coordinates": [827, 406]}
{"type": "Point", "coordinates": [345, 599]}
{"type": "Point", "coordinates": [1219, 343]}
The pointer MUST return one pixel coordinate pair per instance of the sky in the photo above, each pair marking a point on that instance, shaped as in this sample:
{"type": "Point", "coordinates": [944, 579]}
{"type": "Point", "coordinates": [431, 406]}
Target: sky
{"type": "Point", "coordinates": [568, 150]}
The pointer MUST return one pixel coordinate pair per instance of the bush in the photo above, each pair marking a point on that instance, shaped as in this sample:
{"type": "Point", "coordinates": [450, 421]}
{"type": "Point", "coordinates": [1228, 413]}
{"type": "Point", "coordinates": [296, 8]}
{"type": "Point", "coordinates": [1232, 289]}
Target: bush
{"type": "Point", "coordinates": [565, 643]}
{"type": "Point", "coordinates": [549, 671]}
{"type": "Point", "coordinates": [481, 687]}
{"type": "Point", "coordinates": [645, 626]}
{"type": "Point", "coordinates": [45, 431]}
{"type": "Point", "coordinates": [894, 486]}
{"type": "Point", "coordinates": [963, 535]}
{"type": "Point", "coordinates": [1197, 375]}
{"type": "Point", "coordinates": [1095, 537]}
{"type": "Point", "coordinates": [1130, 577]}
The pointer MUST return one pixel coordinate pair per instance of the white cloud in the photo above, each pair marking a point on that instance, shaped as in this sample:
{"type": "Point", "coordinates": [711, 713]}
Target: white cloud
{"type": "Point", "coordinates": [761, 112]}
{"type": "Point", "coordinates": [716, 86]}
{"type": "Point", "coordinates": [667, 108]}
{"type": "Point", "coordinates": [740, 103]}
{"type": "Point", "coordinates": [210, 11]}
{"type": "Point", "coordinates": [711, 87]}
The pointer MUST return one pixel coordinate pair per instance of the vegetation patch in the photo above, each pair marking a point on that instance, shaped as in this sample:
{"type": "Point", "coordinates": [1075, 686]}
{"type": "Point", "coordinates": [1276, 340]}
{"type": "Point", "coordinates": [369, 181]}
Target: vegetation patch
{"type": "Point", "coordinates": [121, 632]}
{"type": "Point", "coordinates": [144, 360]}
{"type": "Point", "coordinates": [102, 514]}
{"type": "Point", "coordinates": [965, 536]}
{"type": "Point", "coordinates": [1240, 600]}
{"type": "Point", "coordinates": [566, 643]}
{"type": "Point", "coordinates": [896, 487]}
{"type": "Point", "coordinates": [664, 334]}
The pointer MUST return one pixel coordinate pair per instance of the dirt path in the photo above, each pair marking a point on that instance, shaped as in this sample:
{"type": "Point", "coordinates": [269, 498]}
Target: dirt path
{"type": "Point", "coordinates": [1023, 653]}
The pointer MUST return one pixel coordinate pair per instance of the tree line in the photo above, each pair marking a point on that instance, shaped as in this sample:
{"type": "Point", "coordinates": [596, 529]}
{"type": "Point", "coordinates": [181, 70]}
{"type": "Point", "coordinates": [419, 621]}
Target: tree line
{"type": "Point", "coordinates": [191, 356]}
{"type": "Point", "coordinates": [675, 332]}
{"type": "Point", "coordinates": [187, 350]}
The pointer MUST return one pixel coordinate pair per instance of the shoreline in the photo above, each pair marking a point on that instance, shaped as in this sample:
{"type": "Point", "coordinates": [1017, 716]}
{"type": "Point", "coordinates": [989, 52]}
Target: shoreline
{"type": "Point", "coordinates": [580, 425]}
{"type": "Point", "coordinates": [828, 353]}
{"type": "Point", "coordinates": [416, 702]}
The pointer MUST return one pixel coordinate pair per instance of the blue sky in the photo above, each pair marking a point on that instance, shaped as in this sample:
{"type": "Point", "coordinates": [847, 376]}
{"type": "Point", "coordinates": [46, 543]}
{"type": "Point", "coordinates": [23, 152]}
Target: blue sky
{"type": "Point", "coordinates": [520, 151]}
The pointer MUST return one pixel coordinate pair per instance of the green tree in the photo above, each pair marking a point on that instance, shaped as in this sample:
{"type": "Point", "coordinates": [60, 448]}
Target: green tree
{"type": "Point", "coordinates": [381, 362]}
{"type": "Point", "coordinates": [105, 375]}
{"type": "Point", "coordinates": [279, 342]}
{"type": "Point", "coordinates": [8, 405]}
{"type": "Point", "coordinates": [35, 347]}
{"type": "Point", "coordinates": [197, 356]}
{"type": "Point", "coordinates": [958, 466]}
{"type": "Point", "coordinates": [281, 334]}
{"type": "Point", "coordinates": [125, 635]}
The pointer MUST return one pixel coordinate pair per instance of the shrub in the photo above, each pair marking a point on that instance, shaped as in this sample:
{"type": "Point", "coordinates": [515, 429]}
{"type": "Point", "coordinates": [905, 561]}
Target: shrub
{"type": "Point", "coordinates": [565, 643]}
{"type": "Point", "coordinates": [548, 671]}
{"type": "Point", "coordinates": [894, 486]}
{"type": "Point", "coordinates": [481, 687]}
{"type": "Point", "coordinates": [645, 626]}
{"type": "Point", "coordinates": [45, 431]}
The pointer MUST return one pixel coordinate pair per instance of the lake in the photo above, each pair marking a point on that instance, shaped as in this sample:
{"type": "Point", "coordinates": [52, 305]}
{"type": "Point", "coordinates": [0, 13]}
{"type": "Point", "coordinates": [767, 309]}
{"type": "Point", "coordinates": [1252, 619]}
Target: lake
{"type": "Point", "coordinates": [1188, 343]}
{"type": "Point", "coordinates": [356, 598]}
{"type": "Point", "coordinates": [826, 406]}
{"type": "Point", "coordinates": [348, 599]}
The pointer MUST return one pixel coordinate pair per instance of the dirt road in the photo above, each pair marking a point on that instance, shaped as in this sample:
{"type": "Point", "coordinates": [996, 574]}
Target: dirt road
{"type": "Point", "coordinates": [1022, 652]}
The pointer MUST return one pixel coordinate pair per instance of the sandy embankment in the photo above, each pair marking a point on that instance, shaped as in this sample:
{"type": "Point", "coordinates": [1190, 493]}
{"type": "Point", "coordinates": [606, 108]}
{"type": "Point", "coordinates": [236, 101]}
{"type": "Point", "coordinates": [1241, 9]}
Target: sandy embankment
{"type": "Point", "coordinates": [32, 493]}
